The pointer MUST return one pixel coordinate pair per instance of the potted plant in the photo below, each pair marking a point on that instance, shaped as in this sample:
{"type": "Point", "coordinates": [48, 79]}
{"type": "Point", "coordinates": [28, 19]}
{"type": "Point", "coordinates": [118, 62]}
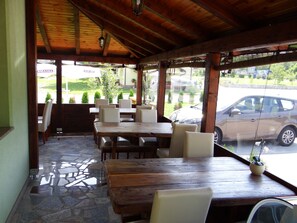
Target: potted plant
{"type": "Point", "coordinates": [257, 166]}
{"type": "Point", "coordinates": [85, 98]}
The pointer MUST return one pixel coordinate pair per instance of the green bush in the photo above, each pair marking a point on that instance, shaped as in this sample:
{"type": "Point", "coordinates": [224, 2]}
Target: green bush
{"type": "Point", "coordinates": [72, 100]}
{"type": "Point", "coordinates": [131, 93]}
{"type": "Point", "coordinates": [85, 98]}
{"type": "Point", "coordinates": [48, 97]}
{"type": "Point", "coordinates": [97, 95]}
{"type": "Point", "coordinates": [120, 96]}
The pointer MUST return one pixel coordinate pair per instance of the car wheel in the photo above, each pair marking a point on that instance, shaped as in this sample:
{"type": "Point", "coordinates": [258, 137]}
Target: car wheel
{"type": "Point", "coordinates": [217, 136]}
{"type": "Point", "coordinates": [287, 136]}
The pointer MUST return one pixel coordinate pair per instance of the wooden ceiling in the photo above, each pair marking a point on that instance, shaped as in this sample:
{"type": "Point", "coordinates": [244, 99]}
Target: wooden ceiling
{"type": "Point", "coordinates": [166, 30]}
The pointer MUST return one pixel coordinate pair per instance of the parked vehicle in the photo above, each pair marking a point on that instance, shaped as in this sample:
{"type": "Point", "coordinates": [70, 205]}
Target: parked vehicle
{"type": "Point", "coordinates": [249, 118]}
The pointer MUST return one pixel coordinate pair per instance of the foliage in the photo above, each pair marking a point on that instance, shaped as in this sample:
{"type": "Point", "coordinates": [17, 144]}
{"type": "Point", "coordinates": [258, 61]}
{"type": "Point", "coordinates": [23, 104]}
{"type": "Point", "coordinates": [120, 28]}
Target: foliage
{"type": "Point", "coordinates": [201, 96]}
{"type": "Point", "coordinates": [133, 82]}
{"type": "Point", "coordinates": [181, 97]}
{"type": "Point", "coordinates": [48, 97]}
{"type": "Point", "coordinates": [109, 84]}
{"type": "Point", "coordinates": [72, 100]}
{"type": "Point", "coordinates": [85, 98]}
{"type": "Point", "coordinates": [131, 93]}
{"type": "Point", "coordinates": [120, 96]}
{"type": "Point", "coordinates": [97, 95]}
{"type": "Point", "coordinates": [178, 105]}
{"type": "Point", "coordinates": [256, 159]}
{"type": "Point", "coordinates": [169, 97]}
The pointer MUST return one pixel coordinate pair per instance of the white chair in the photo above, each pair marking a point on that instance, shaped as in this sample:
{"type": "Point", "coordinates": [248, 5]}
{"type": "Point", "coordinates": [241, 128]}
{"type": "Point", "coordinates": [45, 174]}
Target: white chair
{"type": "Point", "coordinates": [148, 116]}
{"type": "Point", "coordinates": [180, 205]}
{"type": "Point", "coordinates": [138, 108]}
{"type": "Point", "coordinates": [99, 102]}
{"type": "Point", "coordinates": [177, 141]}
{"type": "Point", "coordinates": [126, 103]}
{"type": "Point", "coordinates": [110, 115]}
{"type": "Point", "coordinates": [44, 122]}
{"type": "Point", "coordinates": [101, 107]}
{"type": "Point", "coordinates": [198, 144]}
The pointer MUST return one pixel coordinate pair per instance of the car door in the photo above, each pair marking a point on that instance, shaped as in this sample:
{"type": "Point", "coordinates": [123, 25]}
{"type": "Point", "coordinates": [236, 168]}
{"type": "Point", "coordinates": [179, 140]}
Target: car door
{"type": "Point", "coordinates": [241, 120]}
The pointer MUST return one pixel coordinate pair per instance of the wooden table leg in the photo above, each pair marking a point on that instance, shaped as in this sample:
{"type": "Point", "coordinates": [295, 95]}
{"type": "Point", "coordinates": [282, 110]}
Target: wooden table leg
{"type": "Point", "coordinates": [113, 147]}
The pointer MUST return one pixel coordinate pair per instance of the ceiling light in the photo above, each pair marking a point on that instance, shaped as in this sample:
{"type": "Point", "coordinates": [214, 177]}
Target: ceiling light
{"type": "Point", "coordinates": [101, 39]}
{"type": "Point", "coordinates": [137, 6]}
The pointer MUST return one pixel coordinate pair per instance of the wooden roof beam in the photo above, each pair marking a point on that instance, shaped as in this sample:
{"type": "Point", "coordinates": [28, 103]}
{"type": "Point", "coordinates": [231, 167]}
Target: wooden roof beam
{"type": "Point", "coordinates": [42, 29]}
{"type": "Point", "coordinates": [195, 30]}
{"type": "Point", "coordinates": [77, 30]}
{"type": "Point", "coordinates": [106, 44]}
{"type": "Point", "coordinates": [223, 12]}
{"type": "Point", "coordinates": [143, 21]}
{"type": "Point", "coordinates": [279, 34]}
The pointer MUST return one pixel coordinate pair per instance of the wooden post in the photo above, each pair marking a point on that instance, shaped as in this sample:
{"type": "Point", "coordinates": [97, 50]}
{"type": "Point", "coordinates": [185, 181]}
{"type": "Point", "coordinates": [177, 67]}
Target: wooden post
{"type": "Point", "coordinates": [32, 84]}
{"type": "Point", "coordinates": [139, 85]}
{"type": "Point", "coordinates": [59, 122]}
{"type": "Point", "coordinates": [211, 86]}
{"type": "Point", "coordinates": [161, 89]}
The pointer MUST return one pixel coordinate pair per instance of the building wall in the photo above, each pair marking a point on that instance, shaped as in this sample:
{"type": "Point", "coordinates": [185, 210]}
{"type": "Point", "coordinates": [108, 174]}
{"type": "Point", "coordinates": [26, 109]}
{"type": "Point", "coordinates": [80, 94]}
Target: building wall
{"type": "Point", "coordinates": [14, 149]}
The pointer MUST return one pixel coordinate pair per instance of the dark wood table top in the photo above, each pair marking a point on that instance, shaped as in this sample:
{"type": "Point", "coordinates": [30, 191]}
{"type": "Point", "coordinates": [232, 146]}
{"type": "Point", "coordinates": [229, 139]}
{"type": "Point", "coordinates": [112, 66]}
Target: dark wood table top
{"type": "Point", "coordinates": [133, 129]}
{"type": "Point", "coordinates": [132, 183]}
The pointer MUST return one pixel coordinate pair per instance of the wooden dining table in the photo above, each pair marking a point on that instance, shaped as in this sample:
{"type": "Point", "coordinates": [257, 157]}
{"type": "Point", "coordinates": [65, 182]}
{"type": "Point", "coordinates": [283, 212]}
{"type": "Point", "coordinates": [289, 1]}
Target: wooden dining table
{"type": "Point", "coordinates": [131, 129]}
{"type": "Point", "coordinates": [132, 183]}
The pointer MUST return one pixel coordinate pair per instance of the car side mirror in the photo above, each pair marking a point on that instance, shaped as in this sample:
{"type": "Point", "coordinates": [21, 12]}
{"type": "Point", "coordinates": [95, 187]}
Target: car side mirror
{"type": "Point", "coordinates": [235, 111]}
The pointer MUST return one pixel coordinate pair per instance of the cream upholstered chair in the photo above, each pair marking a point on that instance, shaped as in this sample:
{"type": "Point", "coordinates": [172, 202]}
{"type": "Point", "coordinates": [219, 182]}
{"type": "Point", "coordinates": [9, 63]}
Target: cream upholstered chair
{"type": "Point", "coordinates": [99, 102]}
{"type": "Point", "coordinates": [198, 144]}
{"type": "Point", "coordinates": [43, 123]}
{"type": "Point", "coordinates": [181, 205]}
{"type": "Point", "coordinates": [126, 103]}
{"type": "Point", "coordinates": [177, 141]}
{"type": "Point", "coordinates": [99, 115]}
{"type": "Point", "coordinates": [148, 116]}
{"type": "Point", "coordinates": [110, 115]}
{"type": "Point", "coordinates": [138, 108]}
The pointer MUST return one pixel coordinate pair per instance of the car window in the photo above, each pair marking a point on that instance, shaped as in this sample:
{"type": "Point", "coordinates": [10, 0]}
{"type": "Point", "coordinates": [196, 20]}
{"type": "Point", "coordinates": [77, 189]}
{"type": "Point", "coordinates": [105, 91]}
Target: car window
{"type": "Point", "coordinates": [287, 105]}
{"type": "Point", "coordinates": [249, 105]}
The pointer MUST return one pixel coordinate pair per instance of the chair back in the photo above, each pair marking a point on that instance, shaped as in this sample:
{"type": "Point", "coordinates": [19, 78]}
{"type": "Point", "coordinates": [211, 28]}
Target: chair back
{"type": "Point", "coordinates": [148, 115]}
{"type": "Point", "coordinates": [177, 139]}
{"type": "Point", "coordinates": [101, 107]}
{"type": "Point", "coordinates": [110, 115]}
{"type": "Point", "coordinates": [49, 112]}
{"type": "Point", "coordinates": [198, 144]}
{"type": "Point", "coordinates": [99, 102]}
{"type": "Point", "coordinates": [138, 108]}
{"type": "Point", "coordinates": [42, 124]}
{"type": "Point", "coordinates": [181, 205]}
{"type": "Point", "coordinates": [125, 103]}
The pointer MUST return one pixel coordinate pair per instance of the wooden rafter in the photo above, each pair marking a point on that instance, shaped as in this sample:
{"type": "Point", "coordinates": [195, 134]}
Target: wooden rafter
{"type": "Point", "coordinates": [156, 7]}
{"type": "Point", "coordinates": [144, 22]}
{"type": "Point", "coordinates": [77, 30]}
{"type": "Point", "coordinates": [224, 12]}
{"type": "Point", "coordinates": [42, 29]}
{"type": "Point", "coordinates": [106, 44]}
{"type": "Point", "coordinates": [281, 33]}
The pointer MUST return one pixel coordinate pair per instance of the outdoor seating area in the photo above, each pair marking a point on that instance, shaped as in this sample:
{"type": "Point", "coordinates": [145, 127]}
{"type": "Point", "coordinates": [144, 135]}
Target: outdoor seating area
{"type": "Point", "coordinates": [148, 111]}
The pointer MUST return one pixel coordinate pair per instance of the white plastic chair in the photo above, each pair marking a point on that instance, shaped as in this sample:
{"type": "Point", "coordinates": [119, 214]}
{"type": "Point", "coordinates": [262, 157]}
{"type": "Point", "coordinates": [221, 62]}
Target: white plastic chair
{"type": "Point", "coordinates": [180, 205]}
{"type": "Point", "coordinates": [177, 141]}
{"type": "Point", "coordinates": [198, 144]}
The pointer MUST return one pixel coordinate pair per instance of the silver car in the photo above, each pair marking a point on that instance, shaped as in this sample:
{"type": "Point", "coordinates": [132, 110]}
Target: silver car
{"type": "Point", "coordinates": [250, 118]}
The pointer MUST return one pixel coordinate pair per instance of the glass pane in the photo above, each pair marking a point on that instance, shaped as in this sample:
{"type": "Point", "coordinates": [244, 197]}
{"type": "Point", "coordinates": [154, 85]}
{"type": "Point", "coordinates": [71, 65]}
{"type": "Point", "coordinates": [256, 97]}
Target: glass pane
{"type": "Point", "coordinates": [46, 80]}
{"type": "Point", "coordinates": [184, 92]}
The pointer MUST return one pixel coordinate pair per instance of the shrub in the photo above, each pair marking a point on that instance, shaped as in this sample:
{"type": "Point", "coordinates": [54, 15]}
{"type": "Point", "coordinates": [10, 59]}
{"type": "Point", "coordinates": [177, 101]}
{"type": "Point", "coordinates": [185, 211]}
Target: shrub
{"type": "Point", "coordinates": [120, 96]}
{"type": "Point", "coordinates": [131, 93]}
{"type": "Point", "coordinates": [97, 95]}
{"type": "Point", "coordinates": [169, 97]}
{"type": "Point", "coordinates": [48, 97]}
{"type": "Point", "coordinates": [85, 98]}
{"type": "Point", "coordinates": [72, 100]}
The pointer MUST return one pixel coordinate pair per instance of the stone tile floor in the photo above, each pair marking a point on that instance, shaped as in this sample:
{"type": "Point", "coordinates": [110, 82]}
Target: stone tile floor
{"type": "Point", "coordinates": [69, 187]}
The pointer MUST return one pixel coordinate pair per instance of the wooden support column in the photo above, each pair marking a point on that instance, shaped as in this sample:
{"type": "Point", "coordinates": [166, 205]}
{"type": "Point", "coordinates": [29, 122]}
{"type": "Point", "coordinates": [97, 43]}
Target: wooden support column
{"type": "Point", "coordinates": [211, 88]}
{"type": "Point", "coordinates": [59, 94]}
{"type": "Point", "coordinates": [161, 89]}
{"type": "Point", "coordinates": [139, 85]}
{"type": "Point", "coordinates": [32, 84]}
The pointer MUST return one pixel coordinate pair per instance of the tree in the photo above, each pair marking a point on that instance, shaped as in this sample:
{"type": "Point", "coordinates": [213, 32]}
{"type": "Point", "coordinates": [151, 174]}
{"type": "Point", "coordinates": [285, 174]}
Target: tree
{"type": "Point", "coordinates": [109, 83]}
